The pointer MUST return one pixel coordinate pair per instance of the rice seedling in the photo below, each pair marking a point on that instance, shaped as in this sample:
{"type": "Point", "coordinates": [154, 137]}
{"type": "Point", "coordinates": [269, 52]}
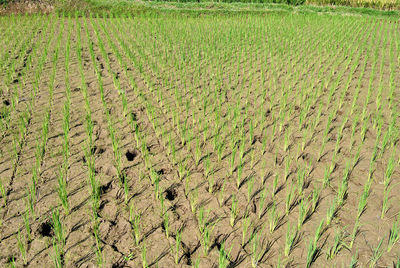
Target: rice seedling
{"type": "Point", "coordinates": [166, 223]}
{"type": "Point", "coordinates": [261, 202]}
{"type": "Point", "coordinates": [57, 257]}
{"type": "Point", "coordinates": [376, 254]}
{"type": "Point", "coordinates": [239, 175]}
{"type": "Point", "coordinates": [234, 210]}
{"type": "Point", "coordinates": [291, 235]}
{"type": "Point", "coordinates": [331, 212]}
{"type": "Point", "coordinates": [22, 247]}
{"type": "Point", "coordinates": [273, 217]}
{"type": "Point", "coordinates": [337, 245]}
{"type": "Point", "coordinates": [143, 254]}
{"type": "Point", "coordinates": [290, 196]}
{"type": "Point", "coordinates": [303, 213]}
{"type": "Point", "coordinates": [312, 253]}
{"type": "Point", "coordinates": [354, 233]}
{"type": "Point", "coordinates": [178, 240]}
{"type": "Point", "coordinates": [59, 230]}
{"type": "Point", "coordinates": [256, 249]}
{"type": "Point", "coordinates": [206, 237]}
{"type": "Point", "coordinates": [3, 194]}
{"type": "Point", "coordinates": [224, 256]}
{"type": "Point", "coordinates": [274, 186]}
{"type": "Point", "coordinates": [394, 234]}
{"type": "Point", "coordinates": [315, 199]}
{"type": "Point", "coordinates": [193, 200]}
{"type": "Point", "coordinates": [27, 223]}
{"type": "Point", "coordinates": [211, 183]}
{"type": "Point", "coordinates": [250, 186]}
{"type": "Point", "coordinates": [135, 222]}
{"type": "Point", "coordinates": [62, 191]}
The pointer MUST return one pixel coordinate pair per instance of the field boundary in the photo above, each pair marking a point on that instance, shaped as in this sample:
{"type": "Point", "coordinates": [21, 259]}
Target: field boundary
{"type": "Point", "coordinates": [116, 8]}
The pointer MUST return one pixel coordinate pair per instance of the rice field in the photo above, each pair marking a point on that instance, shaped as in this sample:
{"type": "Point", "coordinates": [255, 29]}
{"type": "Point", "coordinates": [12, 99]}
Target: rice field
{"type": "Point", "coordinates": [212, 141]}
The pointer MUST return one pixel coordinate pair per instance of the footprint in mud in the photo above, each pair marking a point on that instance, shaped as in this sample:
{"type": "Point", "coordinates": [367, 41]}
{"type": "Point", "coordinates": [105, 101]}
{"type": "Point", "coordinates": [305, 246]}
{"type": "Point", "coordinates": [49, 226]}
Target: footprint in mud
{"type": "Point", "coordinates": [163, 171]}
{"type": "Point", "coordinates": [171, 194]}
{"type": "Point", "coordinates": [45, 229]}
{"type": "Point", "coordinates": [131, 155]}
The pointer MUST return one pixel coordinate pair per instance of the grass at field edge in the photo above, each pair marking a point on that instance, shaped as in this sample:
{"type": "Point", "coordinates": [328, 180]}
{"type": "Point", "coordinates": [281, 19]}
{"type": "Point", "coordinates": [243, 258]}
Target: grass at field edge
{"type": "Point", "coordinates": [124, 7]}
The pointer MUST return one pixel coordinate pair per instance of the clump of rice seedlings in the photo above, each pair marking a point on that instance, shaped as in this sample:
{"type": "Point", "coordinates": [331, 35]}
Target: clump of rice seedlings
{"type": "Point", "coordinates": [325, 137]}
{"type": "Point", "coordinates": [59, 230]}
{"type": "Point", "coordinates": [315, 199]}
{"type": "Point", "coordinates": [256, 250]}
{"type": "Point", "coordinates": [331, 212]}
{"type": "Point", "coordinates": [394, 234]}
{"type": "Point", "coordinates": [286, 139]}
{"type": "Point", "coordinates": [291, 235]}
{"type": "Point", "coordinates": [197, 152]}
{"type": "Point", "coordinates": [193, 200]}
{"type": "Point", "coordinates": [301, 174]}
{"type": "Point", "coordinates": [273, 217]}
{"type": "Point", "coordinates": [221, 194]}
{"type": "Point", "coordinates": [337, 245]}
{"type": "Point", "coordinates": [387, 180]}
{"type": "Point", "coordinates": [318, 232]}
{"type": "Point", "coordinates": [290, 196]}
{"type": "Point", "coordinates": [57, 257]}
{"type": "Point", "coordinates": [303, 213]}
{"type": "Point", "coordinates": [182, 170]}
{"type": "Point", "coordinates": [166, 223]}
{"type": "Point", "coordinates": [250, 186]}
{"type": "Point", "coordinates": [245, 227]}
{"type": "Point", "coordinates": [156, 183]}
{"type": "Point", "coordinates": [27, 223]}
{"type": "Point", "coordinates": [232, 162]}
{"type": "Point", "coordinates": [224, 256]}
{"type": "Point", "coordinates": [22, 247]}
{"type": "Point", "coordinates": [178, 240]}
{"type": "Point", "coordinates": [239, 175]}
{"type": "Point", "coordinates": [126, 189]}
{"type": "Point", "coordinates": [211, 183]}
{"type": "Point", "coordinates": [115, 147]}
{"type": "Point", "coordinates": [206, 237]}
{"type": "Point", "coordinates": [207, 166]}
{"type": "Point", "coordinates": [287, 168]}
{"type": "Point", "coordinates": [62, 191]}
{"type": "Point", "coordinates": [135, 222]}
{"type": "Point", "coordinates": [354, 233]}
{"type": "Point", "coordinates": [3, 194]}
{"type": "Point", "coordinates": [274, 186]}
{"type": "Point", "coordinates": [143, 254]}
{"type": "Point", "coordinates": [234, 210]}
{"type": "Point", "coordinates": [312, 253]}
{"type": "Point", "coordinates": [202, 219]}
{"type": "Point", "coordinates": [362, 203]}
{"type": "Point", "coordinates": [261, 202]}
{"type": "Point", "coordinates": [376, 254]}
{"type": "Point", "coordinates": [98, 248]}
{"type": "Point", "coordinates": [263, 170]}
{"type": "Point", "coordinates": [354, 260]}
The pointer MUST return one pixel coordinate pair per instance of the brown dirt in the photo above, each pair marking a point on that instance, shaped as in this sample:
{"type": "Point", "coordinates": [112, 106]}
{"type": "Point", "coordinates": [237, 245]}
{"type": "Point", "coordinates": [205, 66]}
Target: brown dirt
{"type": "Point", "coordinates": [173, 54]}
{"type": "Point", "coordinates": [27, 7]}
